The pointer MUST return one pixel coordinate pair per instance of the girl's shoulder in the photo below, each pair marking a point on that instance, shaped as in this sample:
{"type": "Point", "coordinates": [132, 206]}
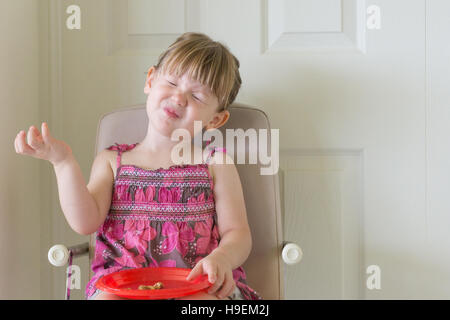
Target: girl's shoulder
{"type": "Point", "coordinates": [219, 159]}
{"type": "Point", "coordinates": [113, 152]}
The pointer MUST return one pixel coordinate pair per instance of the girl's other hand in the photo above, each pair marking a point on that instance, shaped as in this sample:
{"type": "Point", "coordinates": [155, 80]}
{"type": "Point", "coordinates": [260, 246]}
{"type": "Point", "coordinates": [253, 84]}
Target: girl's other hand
{"type": "Point", "coordinates": [219, 272]}
{"type": "Point", "coordinates": [42, 146]}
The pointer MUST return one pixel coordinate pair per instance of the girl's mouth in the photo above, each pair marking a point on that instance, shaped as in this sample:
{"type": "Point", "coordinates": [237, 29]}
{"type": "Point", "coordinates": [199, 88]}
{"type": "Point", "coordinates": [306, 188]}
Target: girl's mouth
{"type": "Point", "coordinates": [170, 113]}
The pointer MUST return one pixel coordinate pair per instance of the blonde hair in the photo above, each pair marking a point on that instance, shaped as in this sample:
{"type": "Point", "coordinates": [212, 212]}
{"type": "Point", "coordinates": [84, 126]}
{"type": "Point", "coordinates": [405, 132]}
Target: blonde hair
{"type": "Point", "coordinates": [209, 62]}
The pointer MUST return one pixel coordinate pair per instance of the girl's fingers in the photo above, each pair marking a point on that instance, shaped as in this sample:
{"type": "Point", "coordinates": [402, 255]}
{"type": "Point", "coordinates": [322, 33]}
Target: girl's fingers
{"type": "Point", "coordinates": [34, 138]}
{"type": "Point", "coordinates": [45, 132]}
{"type": "Point", "coordinates": [30, 137]}
{"type": "Point", "coordinates": [195, 272]}
{"type": "Point", "coordinates": [227, 287]}
{"type": "Point", "coordinates": [28, 143]}
{"type": "Point", "coordinates": [15, 142]}
{"type": "Point", "coordinates": [217, 283]}
{"type": "Point", "coordinates": [211, 270]}
{"type": "Point", "coordinates": [22, 146]}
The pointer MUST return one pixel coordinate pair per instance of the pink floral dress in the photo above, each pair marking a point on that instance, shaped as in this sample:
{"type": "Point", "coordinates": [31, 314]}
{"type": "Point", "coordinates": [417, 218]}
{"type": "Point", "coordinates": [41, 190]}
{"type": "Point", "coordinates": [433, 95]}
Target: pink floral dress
{"type": "Point", "coordinates": [159, 218]}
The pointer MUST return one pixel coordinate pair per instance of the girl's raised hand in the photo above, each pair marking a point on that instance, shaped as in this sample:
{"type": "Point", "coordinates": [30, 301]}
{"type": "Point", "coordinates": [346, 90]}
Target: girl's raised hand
{"type": "Point", "coordinates": [219, 273]}
{"type": "Point", "coordinates": [41, 146]}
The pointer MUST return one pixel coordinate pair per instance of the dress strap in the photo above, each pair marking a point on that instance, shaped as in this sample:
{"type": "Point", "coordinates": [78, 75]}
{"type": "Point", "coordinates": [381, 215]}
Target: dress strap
{"type": "Point", "coordinates": [213, 150]}
{"type": "Point", "coordinates": [121, 148]}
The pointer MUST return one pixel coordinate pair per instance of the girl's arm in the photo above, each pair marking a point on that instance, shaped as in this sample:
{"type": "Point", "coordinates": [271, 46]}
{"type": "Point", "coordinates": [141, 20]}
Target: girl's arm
{"type": "Point", "coordinates": [78, 204]}
{"type": "Point", "coordinates": [236, 241]}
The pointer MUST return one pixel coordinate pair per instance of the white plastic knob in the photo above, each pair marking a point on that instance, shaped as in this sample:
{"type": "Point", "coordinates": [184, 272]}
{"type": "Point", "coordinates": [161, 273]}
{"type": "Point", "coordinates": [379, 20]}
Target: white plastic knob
{"type": "Point", "coordinates": [291, 253]}
{"type": "Point", "coordinates": [58, 255]}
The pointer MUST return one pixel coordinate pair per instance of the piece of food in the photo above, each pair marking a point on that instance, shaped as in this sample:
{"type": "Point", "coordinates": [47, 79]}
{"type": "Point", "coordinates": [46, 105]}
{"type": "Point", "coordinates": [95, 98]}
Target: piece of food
{"type": "Point", "coordinates": [156, 286]}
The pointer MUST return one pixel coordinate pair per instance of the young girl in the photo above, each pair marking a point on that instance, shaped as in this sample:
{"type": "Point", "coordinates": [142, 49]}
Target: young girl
{"type": "Point", "coordinates": [148, 211]}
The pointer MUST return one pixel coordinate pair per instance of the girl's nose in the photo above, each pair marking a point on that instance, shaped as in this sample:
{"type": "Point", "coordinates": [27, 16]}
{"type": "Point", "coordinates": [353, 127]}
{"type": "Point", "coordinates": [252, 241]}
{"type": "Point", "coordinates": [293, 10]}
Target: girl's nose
{"type": "Point", "coordinates": [179, 98]}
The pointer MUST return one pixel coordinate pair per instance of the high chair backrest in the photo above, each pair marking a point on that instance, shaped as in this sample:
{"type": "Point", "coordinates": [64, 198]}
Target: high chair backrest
{"type": "Point", "coordinates": [261, 192]}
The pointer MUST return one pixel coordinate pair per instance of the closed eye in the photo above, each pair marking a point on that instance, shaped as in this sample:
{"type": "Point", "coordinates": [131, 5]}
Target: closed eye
{"type": "Point", "coordinates": [195, 97]}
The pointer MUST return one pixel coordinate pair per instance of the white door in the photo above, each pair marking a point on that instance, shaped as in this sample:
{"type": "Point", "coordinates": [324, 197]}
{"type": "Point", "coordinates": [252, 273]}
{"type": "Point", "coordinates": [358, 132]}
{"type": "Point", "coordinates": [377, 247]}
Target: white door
{"type": "Point", "coordinates": [356, 89]}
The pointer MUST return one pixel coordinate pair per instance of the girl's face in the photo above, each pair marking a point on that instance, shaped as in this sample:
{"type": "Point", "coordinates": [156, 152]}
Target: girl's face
{"type": "Point", "coordinates": [176, 102]}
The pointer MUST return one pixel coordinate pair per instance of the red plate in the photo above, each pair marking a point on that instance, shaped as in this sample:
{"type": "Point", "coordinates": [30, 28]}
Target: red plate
{"type": "Point", "coordinates": [125, 283]}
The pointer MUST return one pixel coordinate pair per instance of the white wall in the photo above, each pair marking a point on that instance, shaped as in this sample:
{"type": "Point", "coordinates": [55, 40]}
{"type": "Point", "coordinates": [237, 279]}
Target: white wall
{"type": "Point", "coordinates": [438, 152]}
{"type": "Point", "coordinates": [20, 220]}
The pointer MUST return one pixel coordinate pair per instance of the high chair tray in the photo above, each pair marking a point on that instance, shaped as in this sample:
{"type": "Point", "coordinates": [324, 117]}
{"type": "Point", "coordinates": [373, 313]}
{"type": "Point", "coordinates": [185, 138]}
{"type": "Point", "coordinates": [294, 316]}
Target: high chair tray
{"type": "Point", "coordinates": [125, 283]}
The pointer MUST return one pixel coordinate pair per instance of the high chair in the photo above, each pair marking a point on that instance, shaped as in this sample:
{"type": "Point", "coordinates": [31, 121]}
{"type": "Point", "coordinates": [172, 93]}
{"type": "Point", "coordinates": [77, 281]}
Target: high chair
{"type": "Point", "coordinates": [261, 192]}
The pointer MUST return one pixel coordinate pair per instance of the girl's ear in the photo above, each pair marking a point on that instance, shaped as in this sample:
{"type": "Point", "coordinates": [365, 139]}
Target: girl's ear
{"type": "Point", "coordinates": [218, 120]}
{"type": "Point", "coordinates": [149, 79]}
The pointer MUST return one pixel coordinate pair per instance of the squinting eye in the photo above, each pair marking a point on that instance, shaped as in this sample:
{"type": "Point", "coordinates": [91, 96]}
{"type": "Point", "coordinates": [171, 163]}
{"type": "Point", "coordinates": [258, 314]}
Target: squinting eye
{"type": "Point", "coordinates": [195, 97]}
{"type": "Point", "coordinates": [173, 84]}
